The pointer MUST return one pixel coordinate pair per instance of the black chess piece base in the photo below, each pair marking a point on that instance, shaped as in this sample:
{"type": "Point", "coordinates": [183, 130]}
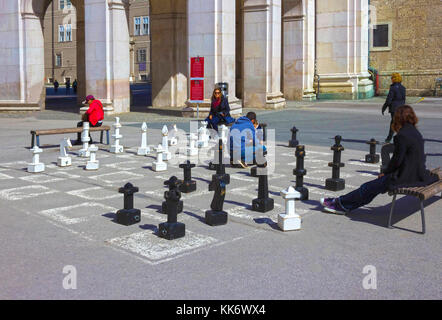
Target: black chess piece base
{"type": "Point", "coordinates": [263, 205]}
{"type": "Point", "coordinates": [171, 231]}
{"type": "Point", "coordinates": [253, 172]}
{"type": "Point", "coordinates": [216, 218]}
{"type": "Point", "coordinates": [164, 209]}
{"type": "Point", "coordinates": [334, 184]}
{"type": "Point", "coordinates": [372, 158]}
{"type": "Point", "coordinates": [188, 186]}
{"type": "Point", "coordinates": [303, 191]}
{"type": "Point", "coordinates": [212, 166]}
{"type": "Point", "coordinates": [293, 143]}
{"type": "Point", "coordinates": [128, 217]}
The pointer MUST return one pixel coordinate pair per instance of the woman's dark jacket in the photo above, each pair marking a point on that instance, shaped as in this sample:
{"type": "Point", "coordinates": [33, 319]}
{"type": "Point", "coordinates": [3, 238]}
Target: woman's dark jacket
{"type": "Point", "coordinates": [222, 108]}
{"type": "Point", "coordinates": [395, 98]}
{"type": "Point", "coordinates": [407, 166]}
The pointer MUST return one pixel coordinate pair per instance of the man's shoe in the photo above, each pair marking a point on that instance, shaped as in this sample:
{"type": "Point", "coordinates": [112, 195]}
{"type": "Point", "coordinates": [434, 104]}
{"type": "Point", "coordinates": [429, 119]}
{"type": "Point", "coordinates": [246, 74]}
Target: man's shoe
{"type": "Point", "coordinates": [242, 164]}
{"type": "Point", "coordinates": [331, 205]}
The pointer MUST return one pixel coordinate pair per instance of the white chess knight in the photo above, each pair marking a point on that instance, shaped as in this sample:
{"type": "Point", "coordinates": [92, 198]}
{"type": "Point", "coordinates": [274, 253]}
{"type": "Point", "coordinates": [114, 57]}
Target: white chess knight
{"type": "Point", "coordinates": [93, 163]}
{"type": "Point", "coordinates": [144, 149]}
{"type": "Point", "coordinates": [165, 144]}
{"type": "Point", "coordinates": [36, 165]}
{"type": "Point", "coordinates": [64, 160]}
{"type": "Point", "coordinates": [84, 151]}
{"type": "Point", "coordinates": [173, 141]}
{"type": "Point", "coordinates": [159, 165]}
{"type": "Point", "coordinates": [192, 150]}
{"type": "Point", "coordinates": [203, 141]}
{"type": "Point", "coordinates": [290, 220]}
{"type": "Point", "coordinates": [116, 147]}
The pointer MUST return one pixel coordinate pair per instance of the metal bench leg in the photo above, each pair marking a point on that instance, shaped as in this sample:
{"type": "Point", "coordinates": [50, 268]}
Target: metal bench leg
{"type": "Point", "coordinates": [423, 217]}
{"type": "Point", "coordinates": [38, 141]}
{"type": "Point", "coordinates": [107, 136]}
{"type": "Point", "coordinates": [391, 211]}
{"type": "Point", "coordinates": [32, 141]}
{"type": "Point", "coordinates": [101, 137]}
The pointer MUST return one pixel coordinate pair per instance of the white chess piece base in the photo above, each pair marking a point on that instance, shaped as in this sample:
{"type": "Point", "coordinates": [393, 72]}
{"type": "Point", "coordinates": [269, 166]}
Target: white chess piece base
{"type": "Point", "coordinates": [143, 151]}
{"type": "Point", "coordinates": [289, 222]}
{"type": "Point", "coordinates": [64, 161]}
{"type": "Point", "coordinates": [84, 153]}
{"type": "Point", "coordinates": [37, 167]}
{"type": "Point", "coordinates": [116, 149]}
{"type": "Point", "coordinates": [92, 165]}
{"type": "Point", "coordinates": [159, 166]}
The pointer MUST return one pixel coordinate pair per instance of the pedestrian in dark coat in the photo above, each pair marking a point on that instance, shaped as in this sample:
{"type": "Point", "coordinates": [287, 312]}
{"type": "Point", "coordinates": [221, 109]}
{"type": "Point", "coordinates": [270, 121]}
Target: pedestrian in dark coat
{"type": "Point", "coordinates": [68, 86]}
{"type": "Point", "coordinates": [56, 85]}
{"type": "Point", "coordinates": [219, 110]}
{"type": "Point", "coordinates": [395, 98]}
{"type": "Point", "coordinates": [405, 169]}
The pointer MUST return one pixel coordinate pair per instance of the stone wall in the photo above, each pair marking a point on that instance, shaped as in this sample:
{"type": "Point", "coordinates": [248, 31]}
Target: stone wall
{"type": "Point", "coordinates": [416, 47]}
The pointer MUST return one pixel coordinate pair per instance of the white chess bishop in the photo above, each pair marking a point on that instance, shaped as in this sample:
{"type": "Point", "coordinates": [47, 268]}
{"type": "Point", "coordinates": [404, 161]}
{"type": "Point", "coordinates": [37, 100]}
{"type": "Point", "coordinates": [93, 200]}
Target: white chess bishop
{"type": "Point", "coordinates": [159, 165]}
{"type": "Point", "coordinates": [143, 149]}
{"type": "Point", "coordinates": [64, 160]}
{"type": "Point", "coordinates": [93, 163]}
{"type": "Point", "coordinates": [165, 144]}
{"type": "Point", "coordinates": [36, 165]}
{"type": "Point", "coordinates": [84, 151]}
{"type": "Point", "coordinates": [290, 220]}
{"type": "Point", "coordinates": [116, 147]}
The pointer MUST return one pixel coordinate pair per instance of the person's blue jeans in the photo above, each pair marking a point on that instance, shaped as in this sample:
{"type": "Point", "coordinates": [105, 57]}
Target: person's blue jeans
{"type": "Point", "coordinates": [364, 195]}
{"type": "Point", "coordinates": [213, 123]}
{"type": "Point", "coordinates": [248, 153]}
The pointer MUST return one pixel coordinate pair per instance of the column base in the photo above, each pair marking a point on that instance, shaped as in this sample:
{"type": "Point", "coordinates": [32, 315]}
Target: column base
{"type": "Point", "coordinates": [275, 101]}
{"type": "Point", "coordinates": [345, 87]}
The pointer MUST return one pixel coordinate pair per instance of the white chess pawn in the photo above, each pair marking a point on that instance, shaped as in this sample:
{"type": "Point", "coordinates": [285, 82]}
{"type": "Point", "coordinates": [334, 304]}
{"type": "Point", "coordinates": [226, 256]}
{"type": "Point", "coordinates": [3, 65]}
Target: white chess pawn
{"type": "Point", "coordinates": [165, 144]}
{"type": "Point", "coordinates": [116, 147]}
{"type": "Point", "coordinates": [203, 141]}
{"type": "Point", "coordinates": [84, 151]}
{"type": "Point", "coordinates": [64, 160]}
{"type": "Point", "coordinates": [192, 150]}
{"type": "Point", "coordinates": [174, 140]}
{"type": "Point", "coordinates": [144, 149]}
{"type": "Point", "coordinates": [159, 165]}
{"type": "Point", "coordinates": [93, 163]}
{"type": "Point", "coordinates": [36, 165]}
{"type": "Point", "coordinates": [290, 220]}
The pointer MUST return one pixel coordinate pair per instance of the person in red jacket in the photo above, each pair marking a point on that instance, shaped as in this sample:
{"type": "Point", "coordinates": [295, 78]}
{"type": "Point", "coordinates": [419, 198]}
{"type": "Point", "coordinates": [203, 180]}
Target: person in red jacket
{"type": "Point", "coordinates": [94, 115]}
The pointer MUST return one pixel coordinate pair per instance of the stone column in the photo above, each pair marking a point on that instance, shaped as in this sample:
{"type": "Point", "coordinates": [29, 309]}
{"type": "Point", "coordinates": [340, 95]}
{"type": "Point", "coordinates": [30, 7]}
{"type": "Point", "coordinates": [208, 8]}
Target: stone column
{"type": "Point", "coordinates": [298, 49]}
{"type": "Point", "coordinates": [211, 34]}
{"type": "Point", "coordinates": [262, 54]}
{"type": "Point", "coordinates": [169, 53]}
{"type": "Point", "coordinates": [342, 40]}
{"type": "Point", "coordinates": [107, 54]}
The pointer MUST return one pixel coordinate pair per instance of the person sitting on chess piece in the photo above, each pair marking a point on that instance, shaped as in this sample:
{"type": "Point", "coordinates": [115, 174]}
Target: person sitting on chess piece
{"type": "Point", "coordinates": [219, 111]}
{"type": "Point", "coordinates": [244, 141]}
{"type": "Point", "coordinates": [405, 169]}
{"type": "Point", "coordinates": [94, 115]}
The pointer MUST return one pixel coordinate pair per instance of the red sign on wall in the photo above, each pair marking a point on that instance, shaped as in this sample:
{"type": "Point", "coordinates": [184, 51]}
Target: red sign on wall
{"type": "Point", "coordinates": [197, 90]}
{"type": "Point", "coordinates": [197, 67]}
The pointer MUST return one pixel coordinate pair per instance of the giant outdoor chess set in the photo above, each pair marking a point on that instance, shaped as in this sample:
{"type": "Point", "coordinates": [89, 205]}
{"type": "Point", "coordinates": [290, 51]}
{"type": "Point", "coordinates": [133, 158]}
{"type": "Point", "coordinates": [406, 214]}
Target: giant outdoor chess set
{"type": "Point", "coordinates": [81, 189]}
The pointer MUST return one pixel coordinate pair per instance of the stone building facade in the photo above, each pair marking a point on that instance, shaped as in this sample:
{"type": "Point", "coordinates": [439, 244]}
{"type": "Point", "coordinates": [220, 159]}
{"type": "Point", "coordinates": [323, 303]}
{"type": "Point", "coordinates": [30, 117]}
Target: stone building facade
{"type": "Point", "coordinates": [267, 50]}
{"type": "Point", "coordinates": [408, 40]}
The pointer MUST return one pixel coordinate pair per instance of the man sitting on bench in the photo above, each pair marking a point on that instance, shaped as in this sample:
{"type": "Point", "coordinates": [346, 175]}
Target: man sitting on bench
{"type": "Point", "coordinates": [405, 169]}
{"type": "Point", "coordinates": [94, 115]}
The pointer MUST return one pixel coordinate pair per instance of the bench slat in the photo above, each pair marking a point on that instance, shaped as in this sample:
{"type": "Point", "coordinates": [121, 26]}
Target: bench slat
{"type": "Point", "coordinates": [67, 130]}
{"type": "Point", "coordinates": [423, 193]}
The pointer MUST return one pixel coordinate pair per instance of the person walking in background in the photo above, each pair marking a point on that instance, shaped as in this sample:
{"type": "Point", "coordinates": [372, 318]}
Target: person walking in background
{"type": "Point", "coordinates": [68, 86]}
{"type": "Point", "coordinates": [56, 85]}
{"type": "Point", "coordinates": [75, 85]}
{"type": "Point", "coordinates": [219, 111]}
{"type": "Point", "coordinates": [395, 98]}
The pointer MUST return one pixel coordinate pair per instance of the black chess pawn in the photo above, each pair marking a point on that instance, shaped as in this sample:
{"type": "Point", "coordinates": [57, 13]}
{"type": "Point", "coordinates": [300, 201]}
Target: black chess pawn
{"type": "Point", "coordinates": [187, 185]}
{"type": "Point", "coordinates": [335, 183]}
{"type": "Point", "coordinates": [372, 157]}
{"type": "Point", "coordinates": [128, 215]}
{"type": "Point", "coordinates": [263, 203]}
{"type": "Point", "coordinates": [172, 229]}
{"type": "Point", "coordinates": [293, 142]}
{"type": "Point", "coordinates": [300, 172]}
{"type": "Point", "coordinates": [174, 184]}
{"type": "Point", "coordinates": [216, 216]}
{"type": "Point", "coordinates": [220, 167]}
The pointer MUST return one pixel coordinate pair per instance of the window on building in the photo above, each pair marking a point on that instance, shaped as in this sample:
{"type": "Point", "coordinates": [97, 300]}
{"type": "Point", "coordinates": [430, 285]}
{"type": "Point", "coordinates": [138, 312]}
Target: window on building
{"type": "Point", "coordinates": [58, 60]}
{"type": "Point", "coordinates": [61, 4]}
{"type": "Point", "coordinates": [68, 32]}
{"type": "Point", "coordinates": [381, 37]}
{"type": "Point", "coordinates": [141, 55]}
{"type": "Point", "coordinates": [68, 4]}
{"type": "Point", "coordinates": [145, 29]}
{"type": "Point", "coordinates": [137, 26]}
{"type": "Point", "coordinates": [60, 33]}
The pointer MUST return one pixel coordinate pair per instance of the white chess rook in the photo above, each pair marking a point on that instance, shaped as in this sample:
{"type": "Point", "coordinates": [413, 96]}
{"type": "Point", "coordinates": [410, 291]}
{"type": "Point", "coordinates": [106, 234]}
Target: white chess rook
{"type": "Point", "coordinates": [165, 144]}
{"type": "Point", "coordinates": [144, 149]}
{"type": "Point", "coordinates": [116, 147]}
{"type": "Point", "coordinates": [290, 220]}
{"type": "Point", "coordinates": [93, 163]}
{"type": "Point", "coordinates": [84, 151]}
{"type": "Point", "coordinates": [192, 150]}
{"type": "Point", "coordinates": [64, 160]}
{"type": "Point", "coordinates": [159, 165]}
{"type": "Point", "coordinates": [36, 165]}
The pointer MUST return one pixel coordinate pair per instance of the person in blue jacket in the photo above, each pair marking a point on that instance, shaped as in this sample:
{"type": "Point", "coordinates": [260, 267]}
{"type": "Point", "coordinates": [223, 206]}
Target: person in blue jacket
{"type": "Point", "coordinates": [244, 142]}
{"type": "Point", "coordinates": [395, 99]}
{"type": "Point", "coordinates": [219, 111]}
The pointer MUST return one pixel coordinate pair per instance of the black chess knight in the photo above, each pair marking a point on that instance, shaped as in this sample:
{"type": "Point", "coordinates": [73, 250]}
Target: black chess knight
{"type": "Point", "coordinates": [172, 229]}
{"type": "Point", "coordinates": [216, 216]}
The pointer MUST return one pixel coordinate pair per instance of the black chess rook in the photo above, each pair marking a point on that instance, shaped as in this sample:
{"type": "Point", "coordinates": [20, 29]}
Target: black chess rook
{"type": "Point", "coordinates": [216, 216]}
{"type": "Point", "coordinates": [300, 172]}
{"type": "Point", "coordinates": [263, 203]}
{"type": "Point", "coordinates": [372, 157]}
{"type": "Point", "coordinates": [293, 142]}
{"type": "Point", "coordinates": [172, 229]}
{"type": "Point", "coordinates": [174, 184]}
{"type": "Point", "coordinates": [187, 185]}
{"type": "Point", "coordinates": [128, 215]}
{"type": "Point", "coordinates": [335, 183]}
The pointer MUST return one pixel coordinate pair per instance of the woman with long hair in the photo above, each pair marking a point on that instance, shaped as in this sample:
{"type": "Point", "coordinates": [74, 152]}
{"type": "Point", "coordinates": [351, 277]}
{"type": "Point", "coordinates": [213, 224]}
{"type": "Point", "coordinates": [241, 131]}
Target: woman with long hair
{"type": "Point", "coordinates": [219, 110]}
{"type": "Point", "coordinates": [405, 169]}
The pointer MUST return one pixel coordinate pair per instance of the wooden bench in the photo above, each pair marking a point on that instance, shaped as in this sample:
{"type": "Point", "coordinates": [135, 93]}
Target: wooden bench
{"type": "Point", "coordinates": [37, 133]}
{"type": "Point", "coordinates": [422, 193]}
